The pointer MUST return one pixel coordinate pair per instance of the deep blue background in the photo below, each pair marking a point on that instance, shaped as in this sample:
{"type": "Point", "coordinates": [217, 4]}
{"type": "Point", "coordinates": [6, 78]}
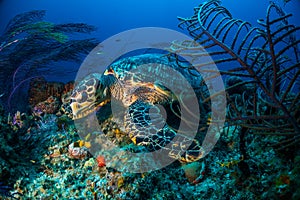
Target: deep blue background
{"type": "Point", "coordinates": [113, 16]}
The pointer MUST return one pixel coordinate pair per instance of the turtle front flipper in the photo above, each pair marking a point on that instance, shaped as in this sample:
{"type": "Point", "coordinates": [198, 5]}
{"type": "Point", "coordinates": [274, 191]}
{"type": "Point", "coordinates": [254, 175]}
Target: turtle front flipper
{"type": "Point", "coordinates": [147, 126]}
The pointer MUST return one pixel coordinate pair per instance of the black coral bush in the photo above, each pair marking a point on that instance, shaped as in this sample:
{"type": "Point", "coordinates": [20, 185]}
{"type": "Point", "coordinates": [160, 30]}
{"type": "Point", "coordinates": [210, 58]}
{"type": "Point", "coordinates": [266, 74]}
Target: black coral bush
{"type": "Point", "coordinates": [261, 65]}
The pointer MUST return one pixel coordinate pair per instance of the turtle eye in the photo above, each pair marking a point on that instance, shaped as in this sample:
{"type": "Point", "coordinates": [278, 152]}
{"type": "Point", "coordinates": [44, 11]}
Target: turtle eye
{"type": "Point", "coordinates": [89, 90]}
{"type": "Point", "coordinates": [84, 97]}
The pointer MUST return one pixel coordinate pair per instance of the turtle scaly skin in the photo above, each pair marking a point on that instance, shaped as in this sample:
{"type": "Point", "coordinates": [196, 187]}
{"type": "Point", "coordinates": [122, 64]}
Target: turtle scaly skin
{"type": "Point", "coordinates": [142, 120]}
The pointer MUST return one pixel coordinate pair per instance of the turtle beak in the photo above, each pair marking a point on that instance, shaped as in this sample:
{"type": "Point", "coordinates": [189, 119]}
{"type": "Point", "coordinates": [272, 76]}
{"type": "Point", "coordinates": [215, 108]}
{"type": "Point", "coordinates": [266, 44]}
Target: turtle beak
{"type": "Point", "coordinates": [80, 110]}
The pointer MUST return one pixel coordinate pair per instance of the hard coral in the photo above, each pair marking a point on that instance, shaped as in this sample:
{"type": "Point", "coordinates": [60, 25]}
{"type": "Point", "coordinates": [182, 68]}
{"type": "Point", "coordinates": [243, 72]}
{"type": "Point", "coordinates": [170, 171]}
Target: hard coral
{"type": "Point", "coordinates": [77, 152]}
{"type": "Point", "coordinates": [18, 119]}
{"type": "Point", "coordinates": [101, 161]}
{"type": "Point", "coordinates": [49, 106]}
{"type": "Point", "coordinates": [40, 90]}
{"type": "Point", "coordinates": [68, 87]}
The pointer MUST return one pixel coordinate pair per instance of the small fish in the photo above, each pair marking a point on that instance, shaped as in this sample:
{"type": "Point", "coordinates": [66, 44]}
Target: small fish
{"type": "Point", "coordinates": [87, 137]}
{"type": "Point", "coordinates": [82, 143]}
{"type": "Point", "coordinates": [1, 95]}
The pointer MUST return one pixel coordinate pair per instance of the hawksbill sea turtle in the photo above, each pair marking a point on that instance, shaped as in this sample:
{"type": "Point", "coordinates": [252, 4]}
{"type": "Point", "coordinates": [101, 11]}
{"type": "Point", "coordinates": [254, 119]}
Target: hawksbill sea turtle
{"type": "Point", "coordinates": [141, 93]}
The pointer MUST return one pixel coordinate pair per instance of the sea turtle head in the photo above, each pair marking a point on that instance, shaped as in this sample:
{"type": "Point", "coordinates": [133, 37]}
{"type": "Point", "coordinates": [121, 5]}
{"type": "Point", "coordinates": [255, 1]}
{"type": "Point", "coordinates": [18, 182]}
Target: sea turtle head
{"type": "Point", "coordinates": [91, 93]}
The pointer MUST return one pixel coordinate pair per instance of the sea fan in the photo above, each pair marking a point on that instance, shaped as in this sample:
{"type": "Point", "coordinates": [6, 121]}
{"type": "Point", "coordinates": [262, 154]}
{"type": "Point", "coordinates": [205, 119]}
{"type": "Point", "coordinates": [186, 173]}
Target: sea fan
{"type": "Point", "coordinates": [30, 47]}
{"type": "Point", "coordinates": [74, 27]}
{"type": "Point", "coordinates": [23, 19]}
{"type": "Point", "coordinates": [262, 61]}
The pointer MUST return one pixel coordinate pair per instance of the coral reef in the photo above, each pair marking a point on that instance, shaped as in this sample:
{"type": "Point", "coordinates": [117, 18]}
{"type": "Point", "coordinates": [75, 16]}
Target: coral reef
{"type": "Point", "coordinates": [59, 174]}
{"type": "Point", "coordinates": [40, 90]}
{"type": "Point", "coordinates": [22, 146]}
{"type": "Point", "coordinates": [77, 151]}
{"type": "Point", "coordinates": [49, 106]}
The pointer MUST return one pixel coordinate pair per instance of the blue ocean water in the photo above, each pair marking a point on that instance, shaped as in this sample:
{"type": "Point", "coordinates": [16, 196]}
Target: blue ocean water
{"type": "Point", "coordinates": [113, 17]}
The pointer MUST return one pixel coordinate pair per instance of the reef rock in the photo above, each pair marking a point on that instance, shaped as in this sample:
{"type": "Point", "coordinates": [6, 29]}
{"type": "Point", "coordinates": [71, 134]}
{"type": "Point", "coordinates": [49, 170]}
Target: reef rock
{"type": "Point", "coordinates": [40, 90]}
{"type": "Point", "coordinates": [49, 106]}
